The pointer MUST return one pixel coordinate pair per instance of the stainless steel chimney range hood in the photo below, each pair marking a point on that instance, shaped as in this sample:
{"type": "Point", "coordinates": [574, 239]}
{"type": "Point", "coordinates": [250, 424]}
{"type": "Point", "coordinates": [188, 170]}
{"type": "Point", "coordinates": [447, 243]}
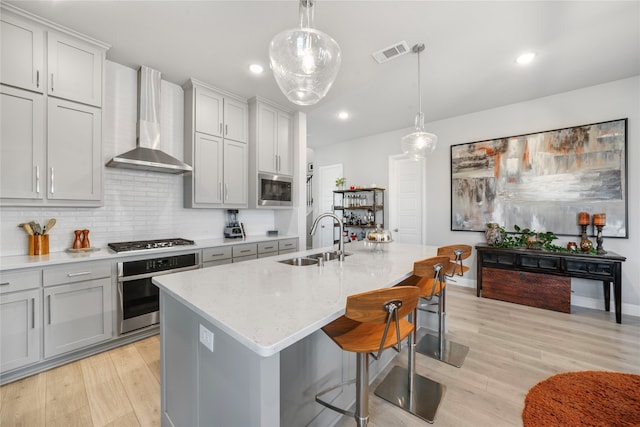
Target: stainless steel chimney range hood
{"type": "Point", "coordinates": [147, 154]}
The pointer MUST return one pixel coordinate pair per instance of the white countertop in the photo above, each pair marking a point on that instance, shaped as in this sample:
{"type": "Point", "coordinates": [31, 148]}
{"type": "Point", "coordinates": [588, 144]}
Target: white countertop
{"type": "Point", "coordinates": [267, 305]}
{"type": "Point", "coordinates": [14, 262]}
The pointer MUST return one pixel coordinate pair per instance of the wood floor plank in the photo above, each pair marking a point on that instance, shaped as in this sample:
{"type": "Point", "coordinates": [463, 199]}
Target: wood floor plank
{"type": "Point", "coordinates": [23, 402]}
{"type": "Point", "coordinates": [105, 392]}
{"type": "Point", "coordinates": [139, 383]}
{"type": "Point", "coordinates": [148, 349]}
{"type": "Point", "coordinates": [66, 398]}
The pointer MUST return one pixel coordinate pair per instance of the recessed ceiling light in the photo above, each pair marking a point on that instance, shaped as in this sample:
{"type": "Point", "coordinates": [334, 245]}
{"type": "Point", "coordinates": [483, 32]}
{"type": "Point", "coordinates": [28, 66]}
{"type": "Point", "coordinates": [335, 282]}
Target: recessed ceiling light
{"type": "Point", "coordinates": [343, 115]}
{"type": "Point", "coordinates": [256, 68]}
{"type": "Point", "coordinates": [525, 58]}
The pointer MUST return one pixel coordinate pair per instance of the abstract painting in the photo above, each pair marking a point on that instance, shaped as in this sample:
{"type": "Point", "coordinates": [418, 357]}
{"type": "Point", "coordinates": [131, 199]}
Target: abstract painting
{"type": "Point", "coordinates": [542, 180]}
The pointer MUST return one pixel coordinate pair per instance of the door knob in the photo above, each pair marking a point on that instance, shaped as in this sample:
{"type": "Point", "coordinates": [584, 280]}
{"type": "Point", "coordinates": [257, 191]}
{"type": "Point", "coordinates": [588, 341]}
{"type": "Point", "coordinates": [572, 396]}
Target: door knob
{"type": "Point", "coordinates": [395, 230]}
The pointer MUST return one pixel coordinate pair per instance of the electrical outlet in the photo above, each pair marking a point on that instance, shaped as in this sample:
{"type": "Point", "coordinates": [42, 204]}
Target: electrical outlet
{"type": "Point", "coordinates": [206, 338]}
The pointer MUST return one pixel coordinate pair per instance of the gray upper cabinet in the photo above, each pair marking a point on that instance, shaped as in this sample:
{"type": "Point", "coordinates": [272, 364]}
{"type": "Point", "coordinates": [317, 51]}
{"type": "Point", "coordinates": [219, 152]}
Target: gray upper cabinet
{"type": "Point", "coordinates": [52, 83]}
{"type": "Point", "coordinates": [74, 151]}
{"type": "Point", "coordinates": [22, 144]}
{"type": "Point", "coordinates": [22, 54]}
{"type": "Point", "coordinates": [215, 145]}
{"type": "Point", "coordinates": [271, 135]}
{"type": "Point", "coordinates": [74, 69]}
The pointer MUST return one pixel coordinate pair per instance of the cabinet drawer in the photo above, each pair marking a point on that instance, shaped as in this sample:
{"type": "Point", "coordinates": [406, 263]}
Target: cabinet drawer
{"type": "Point", "coordinates": [76, 273]}
{"type": "Point", "coordinates": [578, 268]}
{"type": "Point", "coordinates": [266, 247]}
{"type": "Point", "coordinates": [533, 289]}
{"type": "Point", "coordinates": [499, 258]}
{"type": "Point", "coordinates": [244, 250]}
{"type": "Point", "coordinates": [20, 280]}
{"type": "Point", "coordinates": [541, 262]}
{"type": "Point", "coordinates": [216, 254]}
{"type": "Point", "coordinates": [287, 244]}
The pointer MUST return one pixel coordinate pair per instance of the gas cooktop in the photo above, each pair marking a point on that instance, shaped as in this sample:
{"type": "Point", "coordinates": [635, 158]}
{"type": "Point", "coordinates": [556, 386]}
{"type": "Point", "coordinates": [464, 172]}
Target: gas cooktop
{"type": "Point", "coordinates": [149, 244]}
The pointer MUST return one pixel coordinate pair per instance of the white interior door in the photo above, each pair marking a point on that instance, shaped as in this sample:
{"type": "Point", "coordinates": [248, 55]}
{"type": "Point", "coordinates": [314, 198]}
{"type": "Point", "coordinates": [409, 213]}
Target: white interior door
{"type": "Point", "coordinates": [326, 184]}
{"type": "Point", "coordinates": [407, 200]}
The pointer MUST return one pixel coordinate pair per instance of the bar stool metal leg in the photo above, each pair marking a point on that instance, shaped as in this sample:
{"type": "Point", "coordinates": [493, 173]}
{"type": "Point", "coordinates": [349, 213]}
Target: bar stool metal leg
{"type": "Point", "coordinates": [405, 389]}
{"type": "Point", "coordinates": [438, 347]}
{"type": "Point", "coordinates": [362, 389]}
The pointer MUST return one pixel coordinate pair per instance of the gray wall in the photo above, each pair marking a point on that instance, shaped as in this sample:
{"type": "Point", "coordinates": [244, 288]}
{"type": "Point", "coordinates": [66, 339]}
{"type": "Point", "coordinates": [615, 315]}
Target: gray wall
{"type": "Point", "coordinates": [365, 161]}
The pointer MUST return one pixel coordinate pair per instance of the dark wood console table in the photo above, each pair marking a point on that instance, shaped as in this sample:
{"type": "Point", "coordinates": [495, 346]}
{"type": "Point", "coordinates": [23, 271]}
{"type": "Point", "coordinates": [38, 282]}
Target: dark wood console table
{"type": "Point", "coordinates": [519, 275]}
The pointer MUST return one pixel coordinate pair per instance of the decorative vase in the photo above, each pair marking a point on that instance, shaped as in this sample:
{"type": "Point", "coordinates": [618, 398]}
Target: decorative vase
{"type": "Point", "coordinates": [586, 245]}
{"type": "Point", "coordinates": [77, 243]}
{"type": "Point", "coordinates": [85, 239]}
{"type": "Point", "coordinates": [493, 234]}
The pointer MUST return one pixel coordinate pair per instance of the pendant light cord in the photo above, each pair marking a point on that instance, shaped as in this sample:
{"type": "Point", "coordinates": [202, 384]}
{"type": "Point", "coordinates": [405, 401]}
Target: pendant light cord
{"type": "Point", "coordinates": [419, 89]}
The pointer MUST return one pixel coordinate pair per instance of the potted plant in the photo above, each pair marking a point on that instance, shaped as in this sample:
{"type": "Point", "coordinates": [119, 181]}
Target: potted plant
{"type": "Point", "coordinates": [340, 182]}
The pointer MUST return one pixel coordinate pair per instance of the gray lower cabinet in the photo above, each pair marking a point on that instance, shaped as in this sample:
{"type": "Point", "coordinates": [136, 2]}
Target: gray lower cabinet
{"type": "Point", "coordinates": [245, 252]}
{"type": "Point", "coordinates": [20, 318]}
{"type": "Point", "coordinates": [76, 315]}
{"type": "Point", "coordinates": [78, 306]}
{"type": "Point", "coordinates": [286, 246]}
{"type": "Point", "coordinates": [267, 249]}
{"type": "Point", "coordinates": [216, 256]}
{"type": "Point", "coordinates": [20, 329]}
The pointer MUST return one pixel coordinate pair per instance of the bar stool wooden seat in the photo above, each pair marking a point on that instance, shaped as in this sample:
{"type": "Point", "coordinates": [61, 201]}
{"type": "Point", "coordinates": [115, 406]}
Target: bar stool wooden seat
{"type": "Point", "coordinates": [432, 284]}
{"type": "Point", "coordinates": [373, 321]}
{"type": "Point", "coordinates": [456, 254]}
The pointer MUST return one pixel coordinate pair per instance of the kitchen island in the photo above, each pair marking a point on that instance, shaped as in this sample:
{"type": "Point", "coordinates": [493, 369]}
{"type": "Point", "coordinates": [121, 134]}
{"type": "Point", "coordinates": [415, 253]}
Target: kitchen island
{"type": "Point", "coordinates": [241, 344]}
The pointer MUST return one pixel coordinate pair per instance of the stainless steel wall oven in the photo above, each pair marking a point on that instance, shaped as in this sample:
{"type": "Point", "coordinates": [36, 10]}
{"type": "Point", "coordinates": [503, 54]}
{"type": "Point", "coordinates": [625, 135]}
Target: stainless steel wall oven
{"type": "Point", "coordinates": [138, 297]}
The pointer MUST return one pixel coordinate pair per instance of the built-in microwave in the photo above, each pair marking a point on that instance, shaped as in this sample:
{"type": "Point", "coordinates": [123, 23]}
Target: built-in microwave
{"type": "Point", "coordinates": [274, 190]}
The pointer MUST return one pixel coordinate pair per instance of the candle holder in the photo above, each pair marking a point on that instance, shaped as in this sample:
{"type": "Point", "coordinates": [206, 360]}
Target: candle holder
{"type": "Point", "coordinates": [599, 248]}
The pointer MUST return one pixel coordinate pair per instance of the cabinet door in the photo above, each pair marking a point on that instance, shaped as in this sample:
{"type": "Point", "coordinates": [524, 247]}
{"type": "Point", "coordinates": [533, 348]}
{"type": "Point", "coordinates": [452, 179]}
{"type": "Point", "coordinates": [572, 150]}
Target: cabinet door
{"type": "Point", "coordinates": [22, 168]}
{"type": "Point", "coordinates": [236, 170]}
{"type": "Point", "coordinates": [207, 169]}
{"type": "Point", "coordinates": [76, 315]}
{"type": "Point", "coordinates": [267, 137]}
{"type": "Point", "coordinates": [236, 121]}
{"type": "Point", "coordinates": [208, 112]}
{"type": "Point", "coordinates": [20, 329]}
{"type": "Point", "coordinates": [74, 151]}
{"type": "Point", "coordinates": [285, 145]}
{"type": "Point", "coordinates": [21, 53]}
{"type": "Point", "coordinates": [74, 69]}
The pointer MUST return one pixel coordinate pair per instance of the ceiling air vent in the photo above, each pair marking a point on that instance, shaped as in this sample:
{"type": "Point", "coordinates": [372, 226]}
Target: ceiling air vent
{"type": "Point", "coordinates": [391, 52]}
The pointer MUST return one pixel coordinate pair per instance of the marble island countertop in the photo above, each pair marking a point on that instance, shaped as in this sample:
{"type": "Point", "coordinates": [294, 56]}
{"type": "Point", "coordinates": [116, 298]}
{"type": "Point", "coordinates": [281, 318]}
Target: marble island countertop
{"type": "Point", "coordinates": [267, 305]}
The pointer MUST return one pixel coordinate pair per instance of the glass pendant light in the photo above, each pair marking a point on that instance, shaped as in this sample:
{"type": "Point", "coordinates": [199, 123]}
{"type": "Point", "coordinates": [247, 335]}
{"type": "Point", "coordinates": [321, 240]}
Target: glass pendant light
{"type": "Point", "coordinates": [418, 144]}
{"type": "Point", "coordinates": [305, 61]}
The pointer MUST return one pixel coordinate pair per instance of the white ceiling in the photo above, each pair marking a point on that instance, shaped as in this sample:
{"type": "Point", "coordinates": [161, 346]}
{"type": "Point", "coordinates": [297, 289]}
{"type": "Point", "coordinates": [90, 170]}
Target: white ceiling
{"type": "Point", "coordinates": [468, 64]}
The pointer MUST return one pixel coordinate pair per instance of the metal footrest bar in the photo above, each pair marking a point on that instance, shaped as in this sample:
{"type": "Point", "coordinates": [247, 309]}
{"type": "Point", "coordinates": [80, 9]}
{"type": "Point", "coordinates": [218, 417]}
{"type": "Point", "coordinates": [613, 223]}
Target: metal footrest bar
{"type": "Point", "coordinates": [421, 398]}
{"type": "Point", "coordinates": [329, 405]}
{"type": "Point", "coordinates": [449, 352]}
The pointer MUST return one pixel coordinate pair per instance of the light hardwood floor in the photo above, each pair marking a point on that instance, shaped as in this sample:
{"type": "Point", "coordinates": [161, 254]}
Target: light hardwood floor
{"type": "Point", "coordinates": [512, 347]}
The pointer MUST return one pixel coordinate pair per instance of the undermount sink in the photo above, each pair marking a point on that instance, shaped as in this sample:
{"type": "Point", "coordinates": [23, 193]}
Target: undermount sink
{"type": "Point", "coordinates": [299, 261]}
{"type": "Point", "coordinates": [312, 259]}
{"type": "Point", "coordinates": [328, 256]}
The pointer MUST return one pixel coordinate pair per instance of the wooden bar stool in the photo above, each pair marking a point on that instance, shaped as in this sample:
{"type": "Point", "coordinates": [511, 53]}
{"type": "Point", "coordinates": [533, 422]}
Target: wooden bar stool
{"type": "Point", "coordinates": [432, 284]}
{"type": "Point", "coordinates": [373, 321]}
{"type": "Point", "coordinates": [456, 254]}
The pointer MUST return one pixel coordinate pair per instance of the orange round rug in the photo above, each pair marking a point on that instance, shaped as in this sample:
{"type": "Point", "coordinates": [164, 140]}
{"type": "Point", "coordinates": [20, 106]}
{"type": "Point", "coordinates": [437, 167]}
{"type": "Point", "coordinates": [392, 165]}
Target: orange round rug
{"type": "Point", "coordinates": [589, 398]}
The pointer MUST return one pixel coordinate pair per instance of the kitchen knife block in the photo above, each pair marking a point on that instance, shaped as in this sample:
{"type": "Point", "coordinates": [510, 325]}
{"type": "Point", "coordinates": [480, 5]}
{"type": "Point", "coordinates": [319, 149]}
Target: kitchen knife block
{"type": "Point", "coordinates": [39, 245]}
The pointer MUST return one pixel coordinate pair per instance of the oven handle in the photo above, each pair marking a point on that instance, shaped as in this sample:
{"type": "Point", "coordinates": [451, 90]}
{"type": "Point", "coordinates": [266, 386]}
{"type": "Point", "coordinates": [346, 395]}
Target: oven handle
{"type": "Point", "coordinates": [154, 274]}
